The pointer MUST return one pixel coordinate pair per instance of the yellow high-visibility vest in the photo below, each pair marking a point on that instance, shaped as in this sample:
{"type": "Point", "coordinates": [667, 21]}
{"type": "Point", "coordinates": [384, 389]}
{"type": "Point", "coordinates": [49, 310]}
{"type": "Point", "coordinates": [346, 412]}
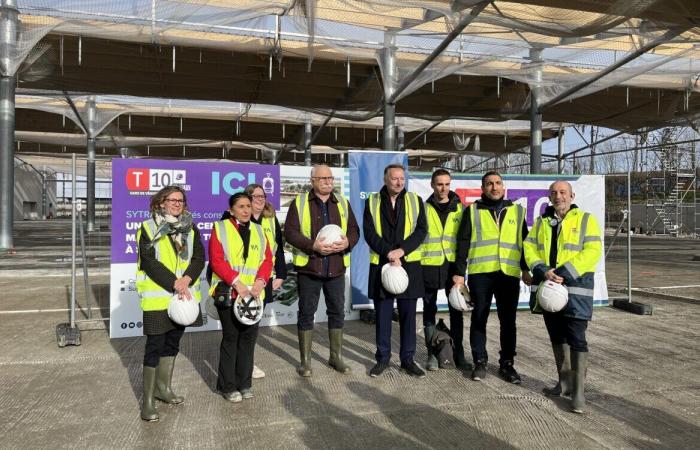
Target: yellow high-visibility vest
{"type": "Point", "coordinates": [232, 243]}
{"type": "Point", "coordinates": [411, 209]}
{"type": "Point", "coordinates": [268, 226]}
{"type": "Point", "coordinates": [492, 249]}
{"type": "Point", "coordinates": [579, 244]}
{"type": "Point", "coordinates": [441, 242]}
{"type": "Point", "coordinates": [300, 258]}
{"type": "Point", "coordinates": [153, 296]}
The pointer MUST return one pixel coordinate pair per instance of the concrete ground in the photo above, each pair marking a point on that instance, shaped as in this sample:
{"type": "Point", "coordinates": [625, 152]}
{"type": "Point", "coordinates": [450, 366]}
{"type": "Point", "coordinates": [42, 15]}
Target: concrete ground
{"type": "Point", "coordinates": [642, 388]}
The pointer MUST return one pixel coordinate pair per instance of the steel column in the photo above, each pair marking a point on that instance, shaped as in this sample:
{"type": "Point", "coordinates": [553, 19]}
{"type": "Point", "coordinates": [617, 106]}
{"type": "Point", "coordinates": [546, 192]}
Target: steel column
{"type": "Point", "coordinates": [307, 143]}
{"type": "Point", "coordinates": [90, 191]}
{"type": "Point", "coordinates": [560, 149]}
{"type": "Point", "coordinates": [390, 78]}
{"type": "Point", "coordinates": [535, 115]}
{"type": "Point", "coordinates": [8, 37]}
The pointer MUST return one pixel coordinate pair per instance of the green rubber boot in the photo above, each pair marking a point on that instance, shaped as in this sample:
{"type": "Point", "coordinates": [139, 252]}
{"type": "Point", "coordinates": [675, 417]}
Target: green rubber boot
{"type": "Point", "coordinates": [335, 336]}
{"type": "Point", "coordinates": [579, 365]}
{"type": "Point", "coordinates": [164, 376]}
{"type": "Point", "coordinates": [562, 357]}
{"type": "Point", "coordinates": [305, 339]}
{"type": "Point", "coordinates": [148, 408]}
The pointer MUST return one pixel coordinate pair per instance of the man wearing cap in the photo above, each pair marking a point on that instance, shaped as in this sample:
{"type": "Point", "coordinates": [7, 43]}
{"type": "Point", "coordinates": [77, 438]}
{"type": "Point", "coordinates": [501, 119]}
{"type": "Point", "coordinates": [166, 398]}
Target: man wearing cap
{"type": "Point", "coordinates": [564, 247]}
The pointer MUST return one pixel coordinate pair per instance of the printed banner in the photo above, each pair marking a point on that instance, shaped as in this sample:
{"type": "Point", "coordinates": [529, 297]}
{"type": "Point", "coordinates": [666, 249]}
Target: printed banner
{"type": "Point", "coordinates": [208, 187]}
{"type": "Point", "coordinates": [531, 192]}
{"type": "Point", "coordinates": [366, 172]}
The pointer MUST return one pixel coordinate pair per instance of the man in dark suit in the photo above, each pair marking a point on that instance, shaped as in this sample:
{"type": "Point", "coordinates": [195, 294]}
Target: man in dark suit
{"type": "Point", "coordinates": [394, 228]}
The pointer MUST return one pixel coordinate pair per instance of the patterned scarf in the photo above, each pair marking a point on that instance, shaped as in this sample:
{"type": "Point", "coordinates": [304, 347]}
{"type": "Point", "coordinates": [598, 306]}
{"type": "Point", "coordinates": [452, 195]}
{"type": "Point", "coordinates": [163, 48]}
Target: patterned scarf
{"type": "Point", "coordinates": [177, 227]}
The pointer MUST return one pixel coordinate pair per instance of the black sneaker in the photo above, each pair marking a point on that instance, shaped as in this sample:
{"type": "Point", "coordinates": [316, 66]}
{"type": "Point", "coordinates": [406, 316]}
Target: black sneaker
{"type": "Point", "coordinates": [508, 373]}
{"type": "Point", "coordinates": [378, 369]}
{"type": "Point", "coordinates": [479, 372]}
{"type": "Point", "coordinates": [413, 369]}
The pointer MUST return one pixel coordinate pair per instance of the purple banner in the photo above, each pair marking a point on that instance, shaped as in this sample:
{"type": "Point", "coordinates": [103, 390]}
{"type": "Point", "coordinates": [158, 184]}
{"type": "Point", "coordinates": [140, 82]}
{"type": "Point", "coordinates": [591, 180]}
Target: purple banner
{"type": "Point", "coordinates": [533, 200]}
{"type": "Point", "coordinates": [208, 186]}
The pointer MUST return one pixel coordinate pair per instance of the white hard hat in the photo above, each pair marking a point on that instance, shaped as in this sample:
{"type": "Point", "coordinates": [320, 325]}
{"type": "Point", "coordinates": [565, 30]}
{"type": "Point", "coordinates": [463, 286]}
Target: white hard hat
{"type": "Point", "coordinates": [210, 307]}
{"type": "Point", "coordinates": [181, 311]}
{"type": "Point", "coordinates": [248, 310]}
{"type": "Point", "coordinates": [331, 232]}
{"type": "Point", "coordinates": [394, 279]}
{"type": "Point", "coordinates": [551, 296]}
{"type": "Point", "coordinates": [459, 298]}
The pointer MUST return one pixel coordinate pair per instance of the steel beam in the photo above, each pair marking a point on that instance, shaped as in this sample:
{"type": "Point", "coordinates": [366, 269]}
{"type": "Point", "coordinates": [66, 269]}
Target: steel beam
{"type": "Point", "coordinates": [456, 31]}
{"type": "Point", "coordinates": [307, 143]}
{"type": "Point", "coordinates": [9, 19]}
{"type": "Point", "coordinates": [667, 36]}
{"type": "Point", "coordinates": [390, 75]}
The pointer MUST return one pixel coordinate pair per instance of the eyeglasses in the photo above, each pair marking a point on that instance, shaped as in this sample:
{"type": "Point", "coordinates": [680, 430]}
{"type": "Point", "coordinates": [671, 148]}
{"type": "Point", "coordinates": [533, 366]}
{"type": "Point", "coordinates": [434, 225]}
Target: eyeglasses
{"type": "Point", "coordinates": [175, 201]}
{"type": "Point", "coordinates": [259, 196]}
{"type": "Point", "coordinates": [323, 178]}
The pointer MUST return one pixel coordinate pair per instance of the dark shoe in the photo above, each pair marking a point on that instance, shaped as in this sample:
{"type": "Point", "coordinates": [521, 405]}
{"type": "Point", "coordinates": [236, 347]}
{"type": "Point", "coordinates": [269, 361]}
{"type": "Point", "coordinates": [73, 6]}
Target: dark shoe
{"type": "Point", "coordinates": [432, 362]}
{"type": "Point", "coordinates": [148, 408]}
{"type": "Point", "coordinates": [335, 336]}
{"type": "Point", "coordinates": [247, 393]}
{"type": "Point", "coordinates": [479, 372]}
{"type": "Point", "coordinates": [164, 376]}
{"type": "Point", "coordinates": [378, 369]}
{"type": "Point", "coordinates": [508, 372]}
{"type": "Point", "coordinates": [579, 364]}
{"type": "Point", "coordinates": [413, 369]}
{"type": "Point", "coordinates": [563, 361]}
{"type": "Point", "coordinates": [233, 397]}
{"type": "Point", "coordinates": [305, 339]}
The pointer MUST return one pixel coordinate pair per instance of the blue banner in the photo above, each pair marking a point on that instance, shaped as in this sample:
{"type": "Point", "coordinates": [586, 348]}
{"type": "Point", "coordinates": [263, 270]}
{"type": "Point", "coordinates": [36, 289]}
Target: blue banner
{"type": "Point", "coordinates": [366, 176]}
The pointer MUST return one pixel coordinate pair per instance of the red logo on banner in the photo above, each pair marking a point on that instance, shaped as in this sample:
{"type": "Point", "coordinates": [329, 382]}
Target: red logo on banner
{"type": "Point", "coordinates": [468, 195]}
{"type": "Point", "coordinates": [137, 179]}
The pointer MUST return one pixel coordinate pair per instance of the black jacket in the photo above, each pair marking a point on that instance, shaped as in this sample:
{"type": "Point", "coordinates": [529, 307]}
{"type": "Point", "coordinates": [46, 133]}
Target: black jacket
{"type": "Point", "coordinates": [464, 235]}
{"type": "Point", "coordinates": [392, 238]}
{"type": "Point", "coordinates": [440, 277]}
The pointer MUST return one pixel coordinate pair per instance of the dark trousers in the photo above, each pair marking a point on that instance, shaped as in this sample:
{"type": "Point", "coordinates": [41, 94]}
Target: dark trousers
{"type": "Point", "coordinates": [566, 330]}
{"type": "Point", "coordinates": [456, 317]}
{"type": "Point", "coordinates": [157, 345]}
{"type": "Point", "coordinates": [236, 353]}
{"type": "Point", "coordinates": [384, 310]}
{"type": "Point", "coordinates": [310, 287]}
{"type": "Point", "coordinates": [482, 288]}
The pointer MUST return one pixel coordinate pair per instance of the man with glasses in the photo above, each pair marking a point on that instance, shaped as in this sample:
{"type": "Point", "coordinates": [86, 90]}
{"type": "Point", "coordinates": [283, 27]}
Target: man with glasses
{"type": "Point", "coordinates": [319, 264]}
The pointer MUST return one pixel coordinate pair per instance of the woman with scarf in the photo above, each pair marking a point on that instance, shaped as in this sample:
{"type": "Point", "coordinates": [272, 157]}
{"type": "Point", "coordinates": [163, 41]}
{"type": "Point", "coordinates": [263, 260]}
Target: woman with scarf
{"type": "Point", "coordinates": [170, 261]}
{"type": "Point", "coordinates": [240, 257]}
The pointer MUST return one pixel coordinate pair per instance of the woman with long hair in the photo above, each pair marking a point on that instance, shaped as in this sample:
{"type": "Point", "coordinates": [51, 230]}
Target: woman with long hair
{"type": "Point", "coordinates": [241, 259]}
{"type": "Point", "coordinates": [170, 261]}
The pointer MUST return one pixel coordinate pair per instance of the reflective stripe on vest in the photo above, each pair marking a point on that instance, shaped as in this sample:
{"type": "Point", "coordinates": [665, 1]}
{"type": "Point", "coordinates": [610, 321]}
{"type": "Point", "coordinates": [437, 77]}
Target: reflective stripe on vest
{"type": "Point", "coordinates": [300, 258]}
{"type": "Point", "coordinates": [232, 244]}
{"type": "Point", "coordinates": [441, 242]}
{"type": "Point", "coordinates": [492, 248]}
{"type": "Point", "coordinates": [153, 296]}
{"type": "Point", "coordinates": [578, 229]}
{"type": "Point", "coordinates": [411, 211]}
{"type": "Point", "coordinates": [268, 226]}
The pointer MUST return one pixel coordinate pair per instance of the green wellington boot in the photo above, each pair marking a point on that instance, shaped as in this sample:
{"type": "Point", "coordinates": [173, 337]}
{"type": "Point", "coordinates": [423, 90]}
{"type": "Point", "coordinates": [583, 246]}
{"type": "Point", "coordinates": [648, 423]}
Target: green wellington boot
{"type": "Point", "coordinates": [305, 339]}
{"type": "Point", "coordinates": [579, 365]}
{"type": "Point", "coordinates": [335, 336]}
{"type": "Point", "coordinates": [164, 376]}
{"type": "Point", "coordinates": [148, 408]}
{"type": "Point", "coordinates": [431, 363]}
{"type": "Point", "coordinates": [562, 357]}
